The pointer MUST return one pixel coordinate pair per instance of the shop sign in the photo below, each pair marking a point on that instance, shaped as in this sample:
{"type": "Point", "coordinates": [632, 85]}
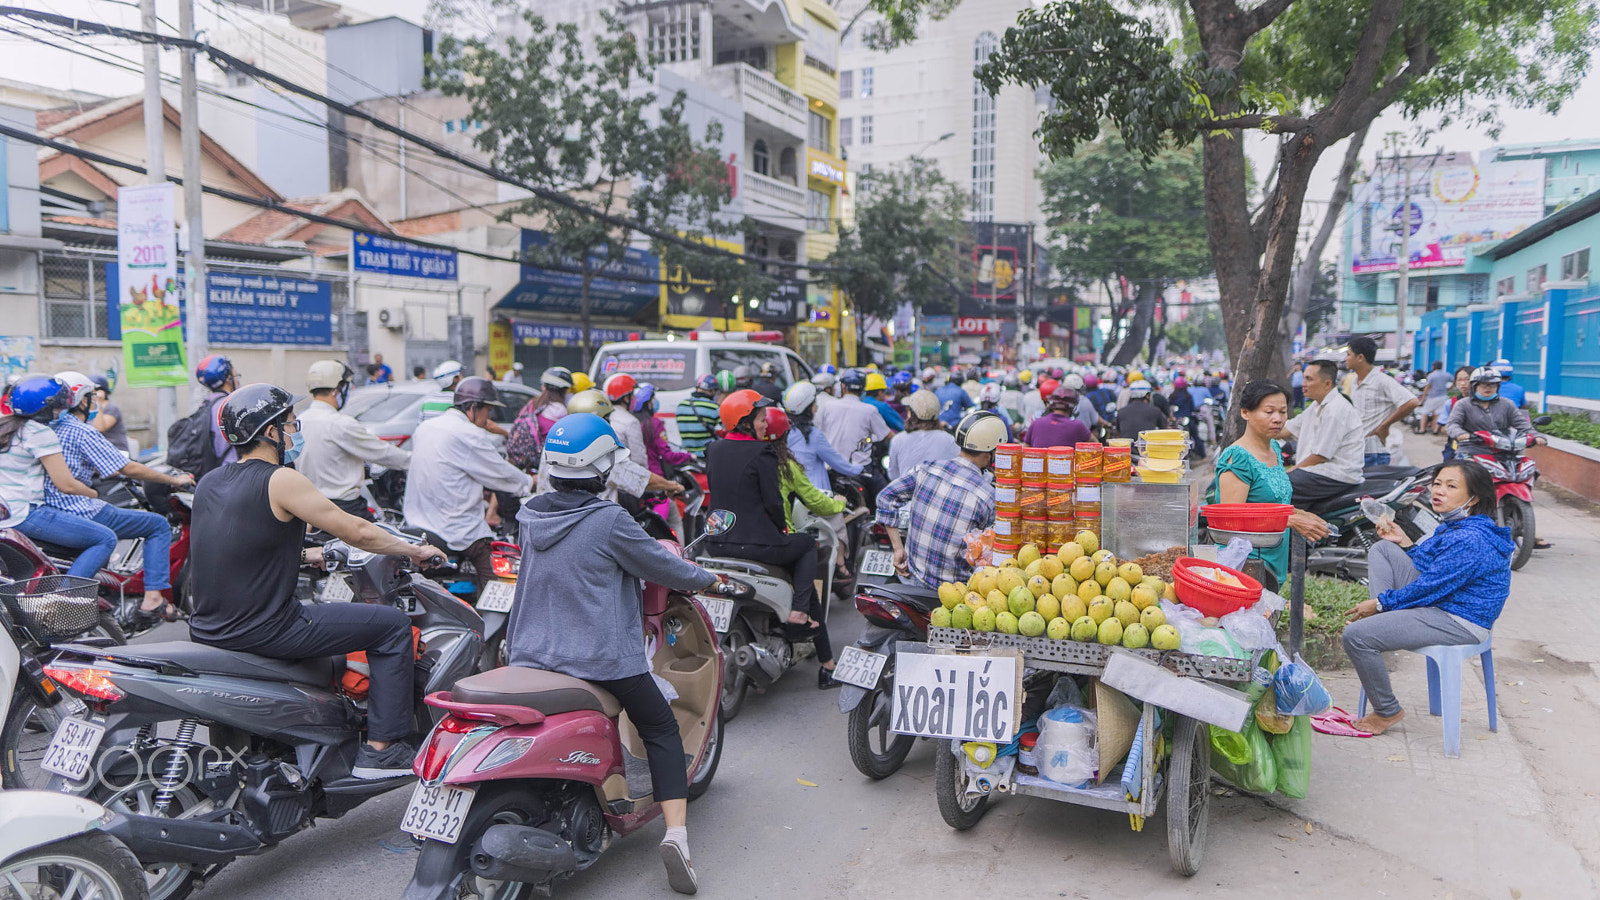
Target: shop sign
{"type": "Point", "coordinates": [824, 167]}
{"type": "Point", "coordinates": [245, 307]}
{"type": "Point", "coordinates": [535, 334]}
{"type": "Point", "coordinates": [953, 697]}
{"type": "Point", "coordinates": [976, 325]}
{"type": "Point", "coordinates": [379, 255]}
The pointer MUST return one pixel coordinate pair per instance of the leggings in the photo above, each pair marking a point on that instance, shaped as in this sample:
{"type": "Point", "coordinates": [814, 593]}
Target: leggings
{"type": "Point", "coordinates": [798, 553]}
{"type": "Point", "coordinates": [658, 728]}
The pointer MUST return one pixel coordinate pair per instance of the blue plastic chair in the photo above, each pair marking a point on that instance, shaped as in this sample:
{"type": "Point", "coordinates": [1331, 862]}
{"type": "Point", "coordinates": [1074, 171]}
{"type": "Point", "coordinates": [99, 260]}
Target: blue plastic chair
{"type": "Point", "coordinates": [1444, 687]}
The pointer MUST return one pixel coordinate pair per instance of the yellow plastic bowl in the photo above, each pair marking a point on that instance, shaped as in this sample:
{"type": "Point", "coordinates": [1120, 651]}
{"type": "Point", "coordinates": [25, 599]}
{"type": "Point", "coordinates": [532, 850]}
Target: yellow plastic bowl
{"type": "Point", "coordinates": [1162, 464]}
{"type": "Point", "coordinates": [1163, 434]}
{"type": "Point", "coordinates": [1153, 476]}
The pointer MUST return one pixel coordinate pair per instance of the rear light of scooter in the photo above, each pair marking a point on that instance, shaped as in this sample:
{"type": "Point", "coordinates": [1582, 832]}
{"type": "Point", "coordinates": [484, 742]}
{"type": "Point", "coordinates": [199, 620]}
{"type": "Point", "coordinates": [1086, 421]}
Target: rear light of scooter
{"type": "Point", "coordinates": [446, 735]}
{"type": "Point", "coordinates": [507, 560]}
{"type": "Point", "coordinates": [508, 750]}
{"type": "Point", "coordinates": [95, 683]}
{"type": "Point", "coordinates": [883, 612]}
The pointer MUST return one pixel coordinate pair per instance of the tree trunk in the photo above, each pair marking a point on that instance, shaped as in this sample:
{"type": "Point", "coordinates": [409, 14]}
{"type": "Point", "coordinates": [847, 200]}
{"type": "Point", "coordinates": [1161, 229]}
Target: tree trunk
{"type": "Point", "coordinates": [583, 311]}
{"type": "Point", "coordinates": [1144, 309]}
{"type": "Point", "coordinates": [1306, 275]}
{"type": "Point", "coordinates": [1158, 327]}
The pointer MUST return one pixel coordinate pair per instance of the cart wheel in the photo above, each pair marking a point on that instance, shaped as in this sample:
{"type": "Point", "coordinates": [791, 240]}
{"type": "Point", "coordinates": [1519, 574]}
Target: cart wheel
{"type": "Point", "coordinates": [1188, 795]}
{"type": "Point", "coordinates": [959, 809]}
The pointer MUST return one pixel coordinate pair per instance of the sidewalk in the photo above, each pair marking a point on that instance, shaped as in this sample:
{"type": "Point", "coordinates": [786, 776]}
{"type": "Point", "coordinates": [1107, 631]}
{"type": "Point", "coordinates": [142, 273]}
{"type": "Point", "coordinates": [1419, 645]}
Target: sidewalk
{"type": "Point", "coordinates": [1518, 814]}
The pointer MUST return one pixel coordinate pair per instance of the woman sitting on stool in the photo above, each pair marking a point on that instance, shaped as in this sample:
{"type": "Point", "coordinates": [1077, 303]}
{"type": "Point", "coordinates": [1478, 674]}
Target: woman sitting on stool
{"type": "Point", "coordinates": [1447, 590]}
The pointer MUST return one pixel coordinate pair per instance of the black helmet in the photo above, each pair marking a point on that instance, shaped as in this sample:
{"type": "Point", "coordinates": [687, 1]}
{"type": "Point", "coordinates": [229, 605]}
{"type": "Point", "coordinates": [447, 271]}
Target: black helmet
{"type": "Point", "coordinates": [249, 410]}
{"type": "Point", "coordinates": [769, 370]}
{"type": "Point", "coordinates": [476, 390]}
{"type": "Point", "coordinates": [102, 382]}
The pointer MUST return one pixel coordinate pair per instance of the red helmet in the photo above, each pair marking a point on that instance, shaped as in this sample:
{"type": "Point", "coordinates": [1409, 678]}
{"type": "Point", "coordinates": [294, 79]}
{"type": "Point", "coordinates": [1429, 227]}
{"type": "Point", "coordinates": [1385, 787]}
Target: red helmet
{"type": "Point", "coordinates": [737, 406]}
{"type": "Point", "coordinates": [619, 385]}
{"type": "Point", "coordinates": [777, 423]}
{"type": "Point", "coordinates": [1048, 387]}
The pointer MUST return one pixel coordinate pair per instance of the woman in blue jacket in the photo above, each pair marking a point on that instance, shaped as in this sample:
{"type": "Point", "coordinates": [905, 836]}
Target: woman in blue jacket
{"type": "Point", "coordinates": [1449, 589]}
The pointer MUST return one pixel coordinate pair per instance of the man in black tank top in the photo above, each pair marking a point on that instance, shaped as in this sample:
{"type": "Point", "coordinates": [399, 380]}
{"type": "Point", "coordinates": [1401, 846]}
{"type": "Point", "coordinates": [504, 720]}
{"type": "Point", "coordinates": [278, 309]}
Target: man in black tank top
{"type": "Point", "coordinates": [249, 526]}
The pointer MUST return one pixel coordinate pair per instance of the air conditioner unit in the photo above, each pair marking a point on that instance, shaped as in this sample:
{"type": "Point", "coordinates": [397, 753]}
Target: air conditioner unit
{"type": "Point", "coordinates": [392, 318]}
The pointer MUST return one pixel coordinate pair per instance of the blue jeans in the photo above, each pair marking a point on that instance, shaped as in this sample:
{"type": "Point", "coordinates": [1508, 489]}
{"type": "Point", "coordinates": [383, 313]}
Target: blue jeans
{"type": "Point", "coordinates": [45, 523]}
{"type": "Point", "coordinates": [1375, 459]}
{"type": "Point", "coordinates": [157, 534]}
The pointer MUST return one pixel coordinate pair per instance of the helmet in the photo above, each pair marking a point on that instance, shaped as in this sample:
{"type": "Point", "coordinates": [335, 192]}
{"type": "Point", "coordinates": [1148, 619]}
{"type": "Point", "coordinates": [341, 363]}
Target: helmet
{"type": "Point", "coordinates": [738, 406]}
{"type": "Point", "coordinates": [924, 405]}
{"type": "Point", "coordinates": [1140, 388]}
{"type": "Point", "coordinates": [1180, 382]}
{"type": "Point", "coordinates": [1047, 387]}
{"type": "Point", "coordinates": [1064, 397]}
{"type": "Point", "coordinates": [777, 423]}
{"type": "Point", "coordinates": [446, 372]}
{"type": "Point", "coordinates": [644, 398]}
{"type": "Point", "coordinates": [981, 431]}
{"type": "Point", "coordinates": [769, 370]}
{"type": "Point", "coordinates": [829, 368]}
{"type": "Point", "coordinates": [726, 383]}
{"type": "Point", "coordinates": [855, 380]}
{"type": "Point", "coordinates": [102, 383]}
{"type": "Point", "coordinates": [590, 401]}
{"type": "Point", "coordinates": [875, 382]}
{"type": "Point", "coordinates": [742, 376]}
{"type": "Point", "coordinates": [213, 371]}
{"type": "Point", "coordinates": [249, 410]}
{"type": "Point", "coordinates": [476, 390]}
{"type": "Point", "coordinates": [556, 377]}
{"type": "Point", "coordinates": [581, 382]}
{"type": "Point", "coordinates": [1135, 376]}
{"type": "Point", "coordinates": [930, 374]}
{"type": "Point", "coordinates": [327, 374]}
{"type": "Point", "coordinates": [825, 380]}
{"type": "Point", "coordinates": [79, 386]}
{"type": "Point", "coordinates": [619, 385]}
{"type": "Point", "coordinates": [1074, 381]}
{"type": "Point", "coordinates": [799, 397]}
{"type": "Point", "coordinates": [1025, 376]}
{"type": "Point", "coordinates": [1485, 375]}
{"type": "Point", "coordinates": [872, 367]}
{"type": "Point", "coordinates": [1012, 382]}
{"type": "Point", "coordinates": [40, 396]}
{"type": "Point", "coordinates": [989, 393]}
{"type": "Point", "coordinates": [1503, 366]}
{"type": "Point", "coordinates": [582, 445]}
{"type": "Point", "coordinates": [901, 379]}
{"type": "Point", "coordinates": [1091, 381]}
{"type": "Point", "coordinates": [706, 383]}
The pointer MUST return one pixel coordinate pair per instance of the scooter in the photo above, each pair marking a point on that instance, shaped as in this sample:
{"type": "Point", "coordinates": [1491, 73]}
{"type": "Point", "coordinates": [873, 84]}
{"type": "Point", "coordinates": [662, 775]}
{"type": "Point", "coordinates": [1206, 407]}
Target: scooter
{"type": "Point", "coordinates": [33, 620]}
{"type": "Point", "coordinates": [894, 612]}
{"type": "Point", "coordinates": [279, 739]}
{"type": "Point", "coordinates": [1514, 473]}
{"type": "Point", "coordinates": [531, 774]}
{"type": "Point", "coordinates": [1343, 553]}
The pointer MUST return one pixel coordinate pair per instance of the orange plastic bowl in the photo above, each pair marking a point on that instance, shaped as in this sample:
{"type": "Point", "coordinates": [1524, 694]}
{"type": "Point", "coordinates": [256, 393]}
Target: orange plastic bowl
{"type": "Point", "coordinates": [1258, 517]}
{"type": "Point", "coordinates": [1212, 598]}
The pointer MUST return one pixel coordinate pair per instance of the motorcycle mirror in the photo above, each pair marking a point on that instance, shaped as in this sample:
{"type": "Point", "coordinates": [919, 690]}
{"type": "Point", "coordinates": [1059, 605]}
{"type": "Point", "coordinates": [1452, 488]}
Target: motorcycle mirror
{"type": "Point", "coordinates": [720, 522]}
{"type": "Point", "coordinates": [1542, 420]}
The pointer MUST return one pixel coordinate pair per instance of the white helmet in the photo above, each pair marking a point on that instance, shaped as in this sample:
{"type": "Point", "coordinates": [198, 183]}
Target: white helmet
{"type": "Point", "coordinates": [924, 405]}
{"type": "Point", "coordinates": [929, 375]}
{"type": "Point", "coordinates": [825, 380]}
{"type": "Point", "coordinates": [582, 445]}
{"type": "Point", "coordinates": [79, 384]}
{"type": "Point", "coordinates": [981, 431]}
{"type": "Point", "coordinates": [989, 393]}
{"type": "Point", "coordinates": [446, 372]}
{"type": "Point", "coordinates": [1074, 381]}
{"type": "Point", "coordinates": [799, 397]}
{"type": "Point", "coordinates": [327, 374]}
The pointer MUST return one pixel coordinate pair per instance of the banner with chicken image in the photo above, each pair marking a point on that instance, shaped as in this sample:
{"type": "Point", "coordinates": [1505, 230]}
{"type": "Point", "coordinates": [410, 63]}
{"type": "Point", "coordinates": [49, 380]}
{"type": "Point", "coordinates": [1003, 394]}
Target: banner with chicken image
{"type": "Point", "coordinates": [147, 276]}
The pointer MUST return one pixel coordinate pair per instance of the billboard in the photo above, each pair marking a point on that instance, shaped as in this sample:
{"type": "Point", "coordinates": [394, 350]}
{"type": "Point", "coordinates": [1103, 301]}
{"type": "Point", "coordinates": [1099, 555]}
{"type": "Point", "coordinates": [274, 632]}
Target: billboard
{"type": "Point", "coordinates": [379, 255]}
{"type": "Point", "coordinates": [151, 324]}
{"type": "Point", "coordinates": [1453, 203]}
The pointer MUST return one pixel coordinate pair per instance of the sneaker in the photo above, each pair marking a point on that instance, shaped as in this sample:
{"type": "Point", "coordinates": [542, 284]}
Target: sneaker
{"type": "Point", "coordinates": [826, 681]}
{"type": "Point", "coordinates": [391, 762]}
{"type": "Point", "coordinates": [679, 873]}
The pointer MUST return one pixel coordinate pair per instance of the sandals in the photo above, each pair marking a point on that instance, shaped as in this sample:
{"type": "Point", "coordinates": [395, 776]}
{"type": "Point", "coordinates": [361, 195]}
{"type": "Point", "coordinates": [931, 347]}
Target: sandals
{"type": "Point", "coordinates": [1338, 723]}
{"type": "Point", "coordinates": [1542, 544]}
{"type": "Point", "coordinates": [166, 612]}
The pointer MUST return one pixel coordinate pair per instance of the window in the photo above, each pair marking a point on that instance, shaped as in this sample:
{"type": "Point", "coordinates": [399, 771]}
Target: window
{"type": "Point", "coordinates": [821, 132]}
{"type": "Point", "coordinates": [822, 44]}
{"type": "Point", "coordinates": [787, 167]}
{"type": "Point", "coordinates": [1505, 287]}
{"type": "Point", "coordinates": [732, 359]}
{"type": "Point", "coordinates": [74, 297]}
{"type": "Point", "coordinates": [1536, 279]}
{"type": "Point", "coordinates": [787, 249]}
{"type": "Point", "coordinates": [847, 130]}
{"type": "Point", "coordinates": [866, 129]}
{"type": "Point", "coordinates": [760, 160]}
{"type": "Point", "coordinates": [674, 34]}
{"type": "Point", "coordinates": [847, 84]}
{"type": "Point", "coordinates": [866, 81]}
{"type": "Point", "coordinates": [1575, 266]}
{"type": "Point", "coordinates": [754, 57]}
{"type": "Point", "coordinates": [983, 133]}
{"type": "Point", "coordinates": [820, 213]}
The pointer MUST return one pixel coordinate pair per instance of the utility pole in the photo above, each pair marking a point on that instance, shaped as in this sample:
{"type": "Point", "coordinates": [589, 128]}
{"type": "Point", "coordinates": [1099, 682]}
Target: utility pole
{"type": "Point", "coordinates": [155, 162]}
{"type": "Point", "coordinates": [195, 266]}
{"type": "Point", "coordinates": [1403, 286]}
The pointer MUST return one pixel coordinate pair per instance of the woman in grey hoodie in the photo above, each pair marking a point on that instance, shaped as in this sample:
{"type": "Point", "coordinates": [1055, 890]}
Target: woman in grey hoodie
{"type": "Point", "coordinates": [579, 606]}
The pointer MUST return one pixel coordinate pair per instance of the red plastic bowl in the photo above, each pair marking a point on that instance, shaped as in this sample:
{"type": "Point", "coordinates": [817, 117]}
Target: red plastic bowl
{"type": "Point", "coordinates": [1258, 517]}
{"type": "Point", "coordinates": [1212, 598]}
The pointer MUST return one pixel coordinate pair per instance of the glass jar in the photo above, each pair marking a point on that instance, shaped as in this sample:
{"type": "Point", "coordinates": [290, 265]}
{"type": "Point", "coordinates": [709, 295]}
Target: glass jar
{"type": "Point", "coordinates": [1005, 529]}
{"type": "Point", "coordinates": [1058, 467]}
{"type": "Point", "coordinates": [1033, 463]}
{"type": "Point", "coordinates": [1034, 530]}
{"type": "Point", "coordinates": [1059, 503]}
{"type": "Point", "coordinates": [1061, 533]}
{"type": "Point", "coordinates": [1117, 463]}
{"type": "Point", "coordinates": [1090, 524]}
{"type": "Point", "coordinates": [1003, 553]}
{"type": "Point", "coordinates": [1005, 496]}
{"type": "Point", "coordinates": [1087, 461]}
{"type": "Point", "coordinates": [1008, 461]}
{"type": "Point", "coordinates": [1033, 498]}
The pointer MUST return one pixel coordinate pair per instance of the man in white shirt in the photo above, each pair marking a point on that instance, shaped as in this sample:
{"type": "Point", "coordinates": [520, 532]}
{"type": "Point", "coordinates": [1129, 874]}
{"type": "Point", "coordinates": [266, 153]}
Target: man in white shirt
{"type": "Point", "coordinates": [1379, 400]}
{"type": "Point", "coordinates": [850, 424]}
{"type": "Point", "coordinates": [452, 461]}
{"type": "Point", "coordinates": [1328, 439]}
{"type": "Point", "coordinates": [337, 446]}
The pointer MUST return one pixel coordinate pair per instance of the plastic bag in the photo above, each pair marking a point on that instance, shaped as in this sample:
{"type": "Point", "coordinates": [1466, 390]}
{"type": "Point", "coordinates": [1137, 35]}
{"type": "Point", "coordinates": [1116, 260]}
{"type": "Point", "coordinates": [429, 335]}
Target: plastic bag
{"type": "Point", "coordinates": [1236, 554]}
{"type": "Point", "coordinates": [1065, 693]}
{"type": "Point", "coordinates": [1251, 629]}
{"type": "Point", "coordinates": [1231, 744]}
{"type": "Point", "coordinates": [980, 547]}
{"type": "Point", "coordinates": [1260, 774]}
{"type": "Point", "coordinates": [1292, 752]}
{"type": "Point", "coordinates": [1267, 717]}
{"type": "Point", "coordinates": [668, 692]}
{"type": "Point", "coordinates": [1195, 637]}
{"type": "Point", "coordinates": [1066, 750]}
{"type": "Point", "coordinates": [1300, 692]}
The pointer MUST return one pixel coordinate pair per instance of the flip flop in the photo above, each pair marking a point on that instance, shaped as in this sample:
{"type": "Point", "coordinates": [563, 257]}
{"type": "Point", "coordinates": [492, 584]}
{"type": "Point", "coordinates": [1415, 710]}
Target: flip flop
{"type": "Point", "coordinates": [1337, 722]}
{"type": "Point", "coordinates": [1542, 544]}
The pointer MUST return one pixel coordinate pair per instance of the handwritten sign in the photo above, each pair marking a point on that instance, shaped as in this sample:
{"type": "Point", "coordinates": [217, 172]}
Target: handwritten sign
{"type": "Point", "coordinates": [956, 697]}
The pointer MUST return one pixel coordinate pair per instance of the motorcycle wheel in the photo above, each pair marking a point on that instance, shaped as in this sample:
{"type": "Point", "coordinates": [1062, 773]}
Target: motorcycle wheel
{"type": "Point", "coordinates": [876, 751]}
{"type": "Point", "coordinates": [495, 804]}
{"type": "Point", "coordinates": [735, 680]}
{"type": "Point", "coordinates": [109, 628]}
{"type": "Point", "coordinates": [700, 778]}
{"type": "Point", "coordinates": [1517, 515]}
{"type": "Point", "coordinates": [959, 809]}
{"type": "Point", "coordinates": [96, 863]}
{"type": "Point", "coordinates": [165, 881]}
{"type": "Point", "coordinates": [24, 738]}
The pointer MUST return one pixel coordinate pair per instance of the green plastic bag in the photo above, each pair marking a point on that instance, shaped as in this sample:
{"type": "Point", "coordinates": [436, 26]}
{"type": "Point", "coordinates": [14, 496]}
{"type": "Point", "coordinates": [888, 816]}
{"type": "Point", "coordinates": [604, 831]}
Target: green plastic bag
{"type": "Point", "coordinates": [1260, 774]}
{"type": "Point", "coordinates": [1292, 752]}
{"type": "Point", "coordinates": [1231, 744]}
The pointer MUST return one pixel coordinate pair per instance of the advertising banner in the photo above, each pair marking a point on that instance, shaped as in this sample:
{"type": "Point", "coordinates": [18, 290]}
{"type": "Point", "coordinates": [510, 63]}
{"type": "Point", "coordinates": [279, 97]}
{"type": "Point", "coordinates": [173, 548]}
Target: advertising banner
{"type": "Point", "coordinates": [379, 255]}
{"type": "Point", "coordinates": [545, 290]}
{"type": "Point", "coordinates": [1453, 204]}
{"type": "Point", "coordinates": [145, 295]}
{"type": "Point", "coordinates": [249, 308]}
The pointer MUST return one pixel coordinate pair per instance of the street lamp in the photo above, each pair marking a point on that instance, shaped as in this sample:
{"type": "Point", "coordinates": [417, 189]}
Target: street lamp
{"type": "Point", "coordinates": [938, 140]}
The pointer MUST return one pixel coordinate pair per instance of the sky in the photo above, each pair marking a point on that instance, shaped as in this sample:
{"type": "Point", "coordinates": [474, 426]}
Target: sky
{"type": "Point", "coordinates": [24, 59]}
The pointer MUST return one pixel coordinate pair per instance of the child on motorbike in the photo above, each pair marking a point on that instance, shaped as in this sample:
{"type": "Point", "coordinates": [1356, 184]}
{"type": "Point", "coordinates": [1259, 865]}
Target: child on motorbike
{"type": "Point", "coordinates": [593, 627]}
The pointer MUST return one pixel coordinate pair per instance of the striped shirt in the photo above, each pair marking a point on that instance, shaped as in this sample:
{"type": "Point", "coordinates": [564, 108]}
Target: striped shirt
{"type": "Point", "coordinates": [696, 417]}
{"type": "Point", "coordinates": [22, 474]}
{"type": "Point", "coordinates": [87, 452]}
{"type": "Point", "coordinates": [947, 500]}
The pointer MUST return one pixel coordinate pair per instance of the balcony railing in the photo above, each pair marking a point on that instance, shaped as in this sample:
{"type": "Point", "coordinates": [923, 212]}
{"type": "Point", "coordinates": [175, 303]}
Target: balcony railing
{"type": "Point", "coordinates": [771, 199]}
{"type": "Point", "coordinates": [764, 97]}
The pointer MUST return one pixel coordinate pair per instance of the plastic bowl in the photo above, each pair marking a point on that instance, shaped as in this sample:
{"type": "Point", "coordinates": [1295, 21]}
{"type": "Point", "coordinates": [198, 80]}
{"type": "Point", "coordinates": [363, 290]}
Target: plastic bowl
{"type": "Point", "coordinates": [1164, 435]}
{"type": "Point", "coordinates": [1164, 451]}
{"type": "Point", "coordinates": [1212, 598]}
{"type": "Point", "coordinates": [1248, 516]}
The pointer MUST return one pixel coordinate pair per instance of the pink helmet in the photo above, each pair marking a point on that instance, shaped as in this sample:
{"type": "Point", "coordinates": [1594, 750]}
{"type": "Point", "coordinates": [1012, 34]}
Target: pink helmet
{"type": "Point", "coordinates": [1091, 381]}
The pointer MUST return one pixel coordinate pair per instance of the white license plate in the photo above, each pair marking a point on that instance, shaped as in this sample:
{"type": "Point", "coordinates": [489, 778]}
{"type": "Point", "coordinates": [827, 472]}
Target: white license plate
{"type": "Point", "coordinates": [720, 611]}
{"type": "Point", "coordinates": [859, 667]}
{"type": "Point", "coordinates": [497, 596]}
{"type": "Point", "coordinates": [437, 812]}
{"type": "Point", "coordinates": [337, 590]}
{"type": "Point", "coordinates": [878, 562]}
{"type": "Point", "coordinates": [72, 748]}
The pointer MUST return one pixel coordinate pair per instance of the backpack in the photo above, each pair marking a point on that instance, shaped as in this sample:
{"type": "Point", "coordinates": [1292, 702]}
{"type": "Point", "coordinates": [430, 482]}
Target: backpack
{"type": "Point", "coordinates": [189, 444]}
{"type": "Point", "coordinates": [522, 440]}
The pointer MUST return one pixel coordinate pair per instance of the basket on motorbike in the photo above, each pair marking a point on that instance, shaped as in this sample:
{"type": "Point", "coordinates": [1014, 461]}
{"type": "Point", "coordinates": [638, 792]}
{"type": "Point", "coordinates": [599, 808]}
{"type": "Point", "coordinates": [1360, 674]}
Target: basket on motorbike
{"type": "Point", "coordinates": [53, 607]}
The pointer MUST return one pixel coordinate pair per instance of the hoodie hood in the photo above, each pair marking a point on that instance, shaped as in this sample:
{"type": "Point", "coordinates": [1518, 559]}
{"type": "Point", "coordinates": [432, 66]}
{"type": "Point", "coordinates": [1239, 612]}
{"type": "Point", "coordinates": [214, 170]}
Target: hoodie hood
{"type": "Point", "coordinates": [1497, 537]}
{"type": "Point", "coordinates": [547, 519]}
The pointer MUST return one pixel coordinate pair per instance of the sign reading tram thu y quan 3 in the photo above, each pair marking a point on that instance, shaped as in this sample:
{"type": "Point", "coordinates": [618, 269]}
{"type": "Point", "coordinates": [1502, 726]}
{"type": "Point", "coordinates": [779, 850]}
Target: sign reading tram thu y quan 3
{"type": "Point", "coordinates": [379, 255]}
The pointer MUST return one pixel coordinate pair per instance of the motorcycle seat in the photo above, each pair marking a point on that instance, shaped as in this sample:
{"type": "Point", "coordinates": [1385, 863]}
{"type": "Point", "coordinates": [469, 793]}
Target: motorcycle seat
{"type": "Point", "coordinates": [915, 595]}
{"type": "Point", "coordinates": [1372, 487]}
{"type": "Point", "coordinates": [746, 565]}
{"type": "Point", "coordinates": [1391, 473]}
{"type": "Point", "coordinates": [207, 660]}
{"type": "Point", "coordinates": [548, 692]}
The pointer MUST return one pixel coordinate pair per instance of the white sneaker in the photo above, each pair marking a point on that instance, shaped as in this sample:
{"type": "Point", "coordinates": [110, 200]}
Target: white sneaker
{"type": "Point", "coordinates": [679, 873]}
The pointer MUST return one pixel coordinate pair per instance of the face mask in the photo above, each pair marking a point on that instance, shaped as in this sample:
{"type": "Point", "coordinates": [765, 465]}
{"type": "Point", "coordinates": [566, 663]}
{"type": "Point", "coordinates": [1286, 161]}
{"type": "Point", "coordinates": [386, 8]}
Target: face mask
{"type": "Point", "coordinates": [342, 395]}
{"type": "Point", "coordinates": [1457, 514]}
{"type": "Point", "coordinates": [297, 442]}
{"type": "Point", "coordinates": [92, 414]}
{"type": "Point", "coordinates": [1481, 396]}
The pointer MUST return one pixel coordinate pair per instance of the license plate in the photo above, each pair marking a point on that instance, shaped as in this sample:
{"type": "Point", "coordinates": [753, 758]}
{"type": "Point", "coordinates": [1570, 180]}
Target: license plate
{"type": "Point", "coordinates": [337, 590]}
{"type": "Point", "coordinates": [72, 748]}
{"type": "Point", "coordinates": [437, 812]}
{"type": "Point", "coordinates": [497, 596]}
{"type": "Point", "coordinates": [720, 611]}
{"type": "Point", "coordinates": [859, 667]}
{"type": "Point", "coordinates": [877, 562]}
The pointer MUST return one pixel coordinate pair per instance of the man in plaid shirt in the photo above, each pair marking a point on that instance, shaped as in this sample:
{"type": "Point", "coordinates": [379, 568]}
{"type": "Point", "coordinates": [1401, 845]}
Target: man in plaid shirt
{"type": "Point", "coordinates": [941, 502]}
{"type": "Point", "coordinates": [87, 454]}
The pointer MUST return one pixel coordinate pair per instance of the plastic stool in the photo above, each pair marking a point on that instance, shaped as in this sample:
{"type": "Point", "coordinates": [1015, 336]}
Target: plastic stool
{"type": "Point", "coordinates": [1444, 687]}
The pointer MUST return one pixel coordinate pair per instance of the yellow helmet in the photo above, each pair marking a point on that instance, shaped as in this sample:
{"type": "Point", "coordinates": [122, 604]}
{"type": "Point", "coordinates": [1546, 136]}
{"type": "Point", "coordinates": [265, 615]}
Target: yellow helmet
{"type": "Point", "coordinates": [876, 382]}
{"type": "Point", "coordinates": [1135, 376]}
{"type": "Point", "coordinates": [1026, 375]}
{"type": "Point", "coordinates": [589, 401]}
{"type": "Point", "coordinates": [581, 382]}
{"type": "Point", "coordinates": [872, 367]}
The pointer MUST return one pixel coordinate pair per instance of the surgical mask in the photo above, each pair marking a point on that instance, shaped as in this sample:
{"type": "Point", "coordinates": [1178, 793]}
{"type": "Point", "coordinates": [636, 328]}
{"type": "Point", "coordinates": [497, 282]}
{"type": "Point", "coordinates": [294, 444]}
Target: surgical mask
{"type": "Point", "coordinates": [342, 395]}
{"type": "Point", "coordinates": [297, 442]}
{"type": "Point", "coordinates": [1481, 396]}
{"type": "Point", "coordinates": [1457, 514]}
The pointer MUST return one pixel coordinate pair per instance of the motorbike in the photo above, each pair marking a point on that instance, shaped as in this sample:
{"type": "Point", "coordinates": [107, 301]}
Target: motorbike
{"type": "Point", "coordinates": [1343, 553]}
{"type": "Point", "coordinates": [856, 529]}
{"type": "Point", "coordinates": [531, 774]}
{"type": "Point", "coordinates": [1514, 474]}
{"type": "Point", "coordinates": [54, 847]}
{"type": "Point", "coordinates": [279, 736]}
{"type": "Point", "coordinates": [894, 612]}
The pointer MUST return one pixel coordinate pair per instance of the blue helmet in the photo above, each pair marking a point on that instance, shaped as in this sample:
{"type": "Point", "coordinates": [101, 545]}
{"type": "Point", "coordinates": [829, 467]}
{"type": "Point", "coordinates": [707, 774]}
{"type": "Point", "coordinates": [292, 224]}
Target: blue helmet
{"type": "Point", "coordinates": [213, 371]}
{"type": "Point", "coordinates": [854, 380]}
{"type": "Point", "coordinates": [40, 396]}
{"type": "Point", "coordinates": [644, 397]}
{"type": "Point", "coordinates": [582, 445]}
{"type": "Point", "coordinates": [901, 378]}
{"type": "Point", "coordinates": [830, 368]}
{"type": "Point", "coordinates": [1503, 366]}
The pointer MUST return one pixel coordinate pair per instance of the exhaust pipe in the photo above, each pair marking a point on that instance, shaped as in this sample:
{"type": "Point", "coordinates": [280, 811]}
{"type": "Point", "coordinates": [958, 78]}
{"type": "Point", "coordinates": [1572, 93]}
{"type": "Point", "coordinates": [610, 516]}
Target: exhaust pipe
{"type": "Point", "coordinates": [759, 663]}
{"type": "Point", "coordinates": [156, 840]}
{"type": "Point", "coordinates": [521, 853]}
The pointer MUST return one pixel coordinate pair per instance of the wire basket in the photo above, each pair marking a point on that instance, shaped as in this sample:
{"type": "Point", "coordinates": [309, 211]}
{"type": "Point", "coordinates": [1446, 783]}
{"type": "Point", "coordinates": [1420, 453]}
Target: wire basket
{"type": "Point", "coordinates": [53, 607]}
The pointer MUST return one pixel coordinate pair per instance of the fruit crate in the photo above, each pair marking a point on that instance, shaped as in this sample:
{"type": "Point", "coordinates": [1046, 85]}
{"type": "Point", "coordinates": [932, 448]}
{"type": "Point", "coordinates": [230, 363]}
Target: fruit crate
{"type": "Point", "coordinates": [1082, 658]}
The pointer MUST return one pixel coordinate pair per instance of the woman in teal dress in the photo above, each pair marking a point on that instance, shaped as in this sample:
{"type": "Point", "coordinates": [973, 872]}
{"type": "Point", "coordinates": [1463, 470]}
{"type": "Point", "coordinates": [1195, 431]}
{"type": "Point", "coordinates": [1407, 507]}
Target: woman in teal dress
{"type": "Point", "coordinates": [1251, 471]}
